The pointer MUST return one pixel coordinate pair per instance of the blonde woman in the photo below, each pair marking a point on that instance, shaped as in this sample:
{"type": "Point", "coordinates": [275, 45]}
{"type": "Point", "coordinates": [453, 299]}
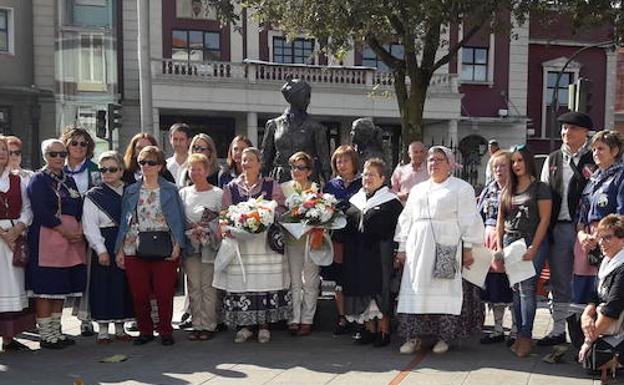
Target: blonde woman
{"type": "Point", "coordinates": [202, 144]}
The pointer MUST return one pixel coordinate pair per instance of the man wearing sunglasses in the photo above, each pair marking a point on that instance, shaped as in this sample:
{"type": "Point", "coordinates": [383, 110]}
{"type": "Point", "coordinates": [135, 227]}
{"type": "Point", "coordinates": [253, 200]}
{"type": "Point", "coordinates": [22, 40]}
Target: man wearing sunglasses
{"type": "Point", "coordinates": [567, 171]}
{"type": "Point", "coordinates": [179, 138]}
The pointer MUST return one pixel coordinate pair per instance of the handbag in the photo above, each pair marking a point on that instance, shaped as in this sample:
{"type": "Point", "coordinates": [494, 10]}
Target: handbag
{"type": "Point", "coordinates": [445, 264]}
{"type": "Point", "coordinates": [20, 250]}
{"type": "Point", "coordinates": [153, 245]}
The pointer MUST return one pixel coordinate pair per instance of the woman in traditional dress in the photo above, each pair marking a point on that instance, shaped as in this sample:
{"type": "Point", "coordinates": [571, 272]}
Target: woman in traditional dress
{"type": "Point", "coordinates": [497, 293]}
{"type": "Point", "coordinates": [436, 232]}
{"type": "Point", "coordinates": [151, 207]}
{"type": "Point", "coordinates": [346, 183]}
{"type": "Point", "coordinates": [603, 195]}
{"type": "Point", "coordinates": [202, 144]}
{"type": "Point", "coordinates": [262, 297]}
{"type": "Point", "coordinates": [304, 274]}
{"type": "Point", "coordinates": [109, 295]}
{"type": "Point", "coordinates": [15, 217]}
{"type": "Point", "coordinates": [233, 167]}
{"type": "Point", "coordinates": [15, 158]}
{"type": "Point", "coordinates": [132, 173]}
{"type": "Point", "coordinates": [56, 268]}
{"type": "Point", "coordinates": [600, 333]}
{"type": "Point", "coordinates": [368, 255]}
{"type": "Point", "coordinates": [524, 213]}
{"type": "Point", "coordinates": [202, 203]}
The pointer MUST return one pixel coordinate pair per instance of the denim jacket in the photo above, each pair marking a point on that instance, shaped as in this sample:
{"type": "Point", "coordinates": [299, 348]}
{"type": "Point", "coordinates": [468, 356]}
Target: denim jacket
{"type": "Point", "coordinates": [171, 204]}
{"type": "Point", "coordinates": [603, 195]}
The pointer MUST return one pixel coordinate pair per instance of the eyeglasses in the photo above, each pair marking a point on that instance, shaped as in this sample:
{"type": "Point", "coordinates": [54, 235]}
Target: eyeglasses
{"type": "Point", "coordinates": [606, 238]}
{"type": "Point", "coordinates": [77, 143]}
{"type": "Point", "coordinates": [518, 147]}
{"type": "Point", "coordinates": [148, 162]}
{"type": "Point", "coordinates": [436, 160]}
{"type": "Point", "coordinates": [15, 153]}
{"type": "Point", "coordinates": [200, 149]}
{"type": "Point", "coordinates": [298, 168]}
{"type": "Point", "coordinates": [112, 170]}
{"type": "Point", "coordinates": [54, 154]}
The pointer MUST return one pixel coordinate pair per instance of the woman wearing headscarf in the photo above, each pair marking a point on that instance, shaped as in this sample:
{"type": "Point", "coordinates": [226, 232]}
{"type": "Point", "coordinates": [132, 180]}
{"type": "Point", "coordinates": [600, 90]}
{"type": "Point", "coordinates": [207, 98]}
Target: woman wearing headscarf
{"type": "Point", "coordinates": [436, 233]}
{"type": "Point", "coordinates": [56, 268]}
{"type": "Point", "coordinates": [15, 217]}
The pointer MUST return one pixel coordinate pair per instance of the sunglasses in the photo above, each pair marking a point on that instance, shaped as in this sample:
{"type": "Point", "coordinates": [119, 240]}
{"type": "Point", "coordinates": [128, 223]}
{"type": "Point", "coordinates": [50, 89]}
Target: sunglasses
{"type": "Point", "coordinates": [77, 143]}
{"type": "Point", "coordinates": [298, 168]}
{"type": "Point", "coordinates": [200, 148]}
{"type": "Point", "coordinates": [55, 154]}
{"type": "Point", "coordinates": [112, 170]}
{"type": "Point", "coordinates": [148, 162]}
{"type": "Point", "coordinates": [15, 153]}
{"type": "Point", "coordinates": [518, 147]}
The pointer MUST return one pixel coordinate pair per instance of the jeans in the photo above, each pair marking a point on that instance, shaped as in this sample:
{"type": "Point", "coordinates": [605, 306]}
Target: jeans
{"type": "Point", "coordinates": [524, 300]}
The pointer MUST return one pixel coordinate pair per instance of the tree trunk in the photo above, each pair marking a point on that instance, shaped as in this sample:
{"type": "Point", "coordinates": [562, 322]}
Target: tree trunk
{"type": "Point", "coordinates": [411, 110]}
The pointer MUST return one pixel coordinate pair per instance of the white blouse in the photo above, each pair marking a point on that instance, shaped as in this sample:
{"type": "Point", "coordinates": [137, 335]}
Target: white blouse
{"type": "Point", "coordinates": [93, 219]}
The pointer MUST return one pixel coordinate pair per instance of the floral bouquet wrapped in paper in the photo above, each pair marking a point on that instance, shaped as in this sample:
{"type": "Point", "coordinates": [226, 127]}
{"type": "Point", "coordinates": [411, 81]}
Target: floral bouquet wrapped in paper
{"type": "Point", "coordinates": [312, 214]}
{"type": "Point", "coordinates": [244, 221]}
{"type": "Point", "coordinates": [203, 235]}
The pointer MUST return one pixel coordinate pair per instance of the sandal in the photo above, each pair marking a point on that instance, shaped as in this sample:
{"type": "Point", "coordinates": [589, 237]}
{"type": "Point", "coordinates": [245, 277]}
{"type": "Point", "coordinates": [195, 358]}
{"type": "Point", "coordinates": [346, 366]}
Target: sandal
{"type": "Point", "coordinates": [103, 340]}
{"type": "Point", "coordinates": [205, 335]}
{"type": "Point", "coordinates": [293, 329]}
{"type": "Point", "coordinates": [193, 336]}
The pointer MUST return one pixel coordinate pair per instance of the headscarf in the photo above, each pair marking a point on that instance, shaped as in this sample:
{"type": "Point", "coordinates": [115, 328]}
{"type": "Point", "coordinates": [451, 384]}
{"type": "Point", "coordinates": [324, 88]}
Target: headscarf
{"type": "Point", "coordinates": [450, 157]}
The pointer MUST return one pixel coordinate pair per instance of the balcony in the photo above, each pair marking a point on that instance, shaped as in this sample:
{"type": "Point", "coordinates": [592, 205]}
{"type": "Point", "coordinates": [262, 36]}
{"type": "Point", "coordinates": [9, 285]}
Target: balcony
{"type": "Point", "coordinates": [336, 90]}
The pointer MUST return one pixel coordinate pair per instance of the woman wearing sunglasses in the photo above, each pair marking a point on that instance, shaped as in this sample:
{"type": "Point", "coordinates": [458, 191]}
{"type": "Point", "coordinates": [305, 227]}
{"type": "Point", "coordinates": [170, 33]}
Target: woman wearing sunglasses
{"type": "Point", "coordinates": [56, 268]}
{"type": "Point", "coordinates": [132, 173]}
{"type": "Point", "coordinates": [78, 164]}
{"type": "Point", "coordinates": [15, 158]}
{"type": "Point", "coordinates": [202, 144]}
{"type": "Point", "coordinates": [109, 296]}
{"type": "Point", "coordinates": [149, 244]}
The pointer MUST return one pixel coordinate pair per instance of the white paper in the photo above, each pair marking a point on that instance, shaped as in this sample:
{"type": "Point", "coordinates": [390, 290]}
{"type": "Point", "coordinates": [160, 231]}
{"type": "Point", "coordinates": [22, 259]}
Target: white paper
{"type": "Point", "coordinates": [516, 268]}
{"type": "Point", "coordinates": [478, 270]}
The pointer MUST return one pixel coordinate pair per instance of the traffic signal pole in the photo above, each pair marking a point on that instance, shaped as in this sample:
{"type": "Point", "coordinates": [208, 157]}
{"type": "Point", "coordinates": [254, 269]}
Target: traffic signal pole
{"type": "Point", "coordinates": [145, 75]}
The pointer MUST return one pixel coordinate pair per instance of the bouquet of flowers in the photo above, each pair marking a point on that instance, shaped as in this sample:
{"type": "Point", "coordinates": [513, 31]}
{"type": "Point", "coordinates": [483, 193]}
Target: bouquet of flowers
{"type": "Point", "coordinates": [204, 233]}
{"type": "Point", "coordinates": [253, 216]}
{"type": "Point", "coordinates": [312, 213]}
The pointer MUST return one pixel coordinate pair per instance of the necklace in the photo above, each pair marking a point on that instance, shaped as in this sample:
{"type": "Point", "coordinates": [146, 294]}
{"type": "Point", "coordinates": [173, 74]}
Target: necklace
{"type": "Point", "coordinates": [61, 181]}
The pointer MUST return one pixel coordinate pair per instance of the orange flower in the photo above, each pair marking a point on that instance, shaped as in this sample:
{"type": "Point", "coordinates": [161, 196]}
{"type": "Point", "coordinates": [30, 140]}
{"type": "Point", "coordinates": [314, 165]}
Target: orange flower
{"type": "Point", "coordinates": [316, 238]}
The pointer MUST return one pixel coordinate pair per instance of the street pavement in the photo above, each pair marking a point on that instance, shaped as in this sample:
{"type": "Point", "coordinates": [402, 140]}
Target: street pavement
{"type": "Point", "coordinates": [316, 359]}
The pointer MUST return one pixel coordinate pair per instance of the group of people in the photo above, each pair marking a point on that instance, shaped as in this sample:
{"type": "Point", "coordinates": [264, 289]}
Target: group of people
{"type": "Point", "coordinates": [115, 232]}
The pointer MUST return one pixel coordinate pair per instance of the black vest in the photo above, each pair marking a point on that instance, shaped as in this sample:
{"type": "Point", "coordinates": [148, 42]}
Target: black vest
{"type": "Point", "coordinates": [577, 183]}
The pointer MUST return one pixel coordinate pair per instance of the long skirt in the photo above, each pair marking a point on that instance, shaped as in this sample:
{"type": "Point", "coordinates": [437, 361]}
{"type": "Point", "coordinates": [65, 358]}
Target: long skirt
{"type": "Point", "coordinates": [256, 308]}
{"type": "Point", "coordinates": [447, 327]}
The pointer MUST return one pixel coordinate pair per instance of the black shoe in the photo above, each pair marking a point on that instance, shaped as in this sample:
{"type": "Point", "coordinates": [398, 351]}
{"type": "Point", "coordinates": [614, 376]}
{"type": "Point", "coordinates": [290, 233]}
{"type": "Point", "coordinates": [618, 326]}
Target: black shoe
{"type": "Point", "coordinates": [342, 327]}
{"type": "Point", "coordinates": [551, 340]}
{"type": "Point", "coordinates": [364, 337]}
{"type": "Point", "coordinates": [66, 341]}
{"type": "Point", "coordinates": [489, 339]}
{"type": "Point", "coordinates": [222, 327]}
{"type": "Point", "coordinates": [381, 340]}
{"type": "Point", "coordinates": [167, 340]}
{"type": "Point", "coordinates": [510, 341]}
{"type": "Point", "coordinates": [15, 345]}
{"type": "Point", "coordinates": [142, 340]}
{"type": "Point", "coordinates": [188, 324]}
{"type": "Point", "coordinates": [52, 345]}
{"type": "Point", "coordinates": [86, 330]}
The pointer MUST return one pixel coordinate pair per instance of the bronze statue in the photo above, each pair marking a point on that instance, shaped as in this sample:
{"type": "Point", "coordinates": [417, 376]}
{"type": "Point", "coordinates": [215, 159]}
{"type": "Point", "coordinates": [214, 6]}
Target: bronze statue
{"type": "Point", "coordinates": [294, 131]}
{"type": "Point", "coordinates": [367, 139]}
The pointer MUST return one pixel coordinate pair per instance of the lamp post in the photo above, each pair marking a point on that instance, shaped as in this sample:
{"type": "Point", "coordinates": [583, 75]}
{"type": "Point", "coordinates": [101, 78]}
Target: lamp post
{"type": "Point", "coordinates": [554, 105]}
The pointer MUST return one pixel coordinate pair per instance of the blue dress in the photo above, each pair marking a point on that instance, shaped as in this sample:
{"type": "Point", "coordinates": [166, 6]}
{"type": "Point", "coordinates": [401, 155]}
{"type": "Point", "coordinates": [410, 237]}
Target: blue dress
{"type": "Point", "coordinates": [52, 282]}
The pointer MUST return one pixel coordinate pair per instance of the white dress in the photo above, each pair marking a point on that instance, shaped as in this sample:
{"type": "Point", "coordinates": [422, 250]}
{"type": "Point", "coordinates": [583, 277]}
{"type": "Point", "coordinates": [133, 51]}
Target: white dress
{"type": "Point", "coordinates": [12, 290]}
{"type": "Point", "coordinates": [453, 209]}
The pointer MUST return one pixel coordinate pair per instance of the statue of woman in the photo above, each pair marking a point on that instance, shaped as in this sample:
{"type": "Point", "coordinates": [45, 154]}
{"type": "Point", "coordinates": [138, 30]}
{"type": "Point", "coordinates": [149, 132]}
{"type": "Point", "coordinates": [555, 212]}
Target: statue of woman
{"type": "Point", "coordinates": [294, 131]}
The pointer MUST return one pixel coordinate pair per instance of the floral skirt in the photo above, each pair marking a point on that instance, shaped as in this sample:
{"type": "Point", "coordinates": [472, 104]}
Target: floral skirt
{"type": "Point", "coordinates": [447, 327]}
{"type": "Point", "coordinates": [256, 308]}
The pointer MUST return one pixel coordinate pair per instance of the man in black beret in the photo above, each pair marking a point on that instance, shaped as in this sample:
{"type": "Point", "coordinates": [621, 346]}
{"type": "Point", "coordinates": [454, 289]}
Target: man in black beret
{"type": "Point", "coordinates": [566, 171]}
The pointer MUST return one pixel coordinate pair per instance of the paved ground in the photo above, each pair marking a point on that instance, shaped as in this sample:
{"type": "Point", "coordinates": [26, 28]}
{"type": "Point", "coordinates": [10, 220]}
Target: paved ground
{"type": "Point", "coordinates": [316, 359]}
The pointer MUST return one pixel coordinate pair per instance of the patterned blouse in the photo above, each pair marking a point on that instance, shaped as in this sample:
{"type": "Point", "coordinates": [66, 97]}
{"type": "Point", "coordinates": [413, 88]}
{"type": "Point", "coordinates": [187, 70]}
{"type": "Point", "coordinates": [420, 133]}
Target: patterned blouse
{"type": "Point", "coordinates": [150, 218]}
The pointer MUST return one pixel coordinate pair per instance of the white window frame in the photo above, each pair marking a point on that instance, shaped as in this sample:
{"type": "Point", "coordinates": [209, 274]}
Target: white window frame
{"type": "Point", "coordinates": [273, 33]}
{"type": "Point", "coordinates": [489, 81]}
{"type": "Point", "coordinates": [10, 31]}
{"type": "Point", "coordinates": [555, 65]}
{"type": "Point", "coordinates": [83, 83]}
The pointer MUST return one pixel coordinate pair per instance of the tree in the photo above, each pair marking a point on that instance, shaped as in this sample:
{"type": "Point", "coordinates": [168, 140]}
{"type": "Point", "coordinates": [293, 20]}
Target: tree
{"type": "Point", "coordinates": [421, 26]}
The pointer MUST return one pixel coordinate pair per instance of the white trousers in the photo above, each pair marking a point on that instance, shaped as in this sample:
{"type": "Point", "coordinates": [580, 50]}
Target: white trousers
{"type": "Point", "coordinates": [304, 278]}
{"type": "Point", "coordinates": [202, 295]}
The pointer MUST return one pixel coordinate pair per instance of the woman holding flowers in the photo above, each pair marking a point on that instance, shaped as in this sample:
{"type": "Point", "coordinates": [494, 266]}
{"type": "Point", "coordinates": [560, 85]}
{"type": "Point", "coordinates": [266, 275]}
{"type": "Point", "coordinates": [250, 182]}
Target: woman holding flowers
{"type": "Point", "coordinates": [368, 255]}
{"type": "Point", "coordinates": [256, 284]}
{"type": "Point", "coordinates": [304, 274]}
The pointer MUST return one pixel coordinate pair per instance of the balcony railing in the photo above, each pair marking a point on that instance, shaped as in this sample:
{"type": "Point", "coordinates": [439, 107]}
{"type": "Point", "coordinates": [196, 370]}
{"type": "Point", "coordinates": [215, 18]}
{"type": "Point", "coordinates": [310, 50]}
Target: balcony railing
{"type": "Point", "coordinates": [265, 72]}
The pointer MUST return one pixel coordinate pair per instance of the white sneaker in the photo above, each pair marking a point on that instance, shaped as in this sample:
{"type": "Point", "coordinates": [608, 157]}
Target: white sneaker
{"type": "Point", "coordinates": [410, 346]}
{"type": "Point", "coordinates": [440, 347]}
{"type": "Point", "coordinates": [264, 336]}
{"type": "Point", "coordinates": [242, 335]}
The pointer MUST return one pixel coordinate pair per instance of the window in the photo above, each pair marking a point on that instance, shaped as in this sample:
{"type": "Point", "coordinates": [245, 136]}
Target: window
{"type": "Point", "coordinates": [89, 13]}
{"type": "Point", "coordinates": [195, 9]}
{"type": "Point", "coordinates": [298, 51]}
{"type": "Point", "coordinates": [474, 64]}
{"type": "Point", "coordinates": [4, 30]}
{"type": "Point", "coordinates": [91, 63]}
{"type": "Point", "coordinates": [369, 57]}
{"type": "Point", "coordinates": [566, 79]}
{"type": "Point", "coordinates": [195, 45]}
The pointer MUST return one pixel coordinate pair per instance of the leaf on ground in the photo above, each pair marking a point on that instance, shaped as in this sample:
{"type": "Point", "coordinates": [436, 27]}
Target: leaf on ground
{"type": "Point", "coordinates": [114, 359]}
